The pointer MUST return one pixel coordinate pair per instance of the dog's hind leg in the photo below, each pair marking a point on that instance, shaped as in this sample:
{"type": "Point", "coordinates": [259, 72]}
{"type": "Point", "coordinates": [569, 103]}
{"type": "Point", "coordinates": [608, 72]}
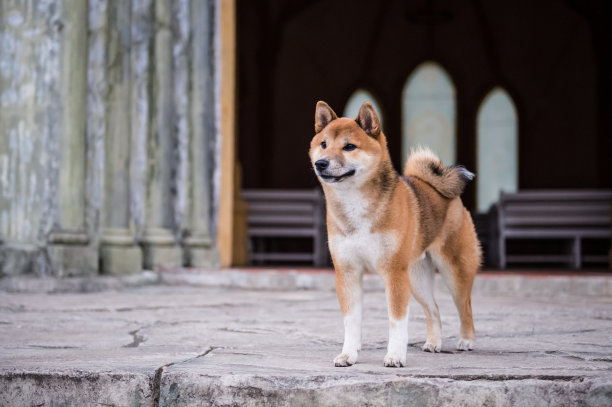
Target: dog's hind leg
{"type": "Point", "coordinates": [458, 260]}
{"type": "Point", "coordinates": [422, 284]}
{"type": "Point", "coordinates": [460, 286]}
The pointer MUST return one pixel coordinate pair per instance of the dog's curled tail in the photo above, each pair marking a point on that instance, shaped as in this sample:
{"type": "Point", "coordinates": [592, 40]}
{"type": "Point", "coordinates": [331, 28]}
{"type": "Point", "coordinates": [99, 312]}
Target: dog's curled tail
{"type": "Point", "coordinates": [448, 181]}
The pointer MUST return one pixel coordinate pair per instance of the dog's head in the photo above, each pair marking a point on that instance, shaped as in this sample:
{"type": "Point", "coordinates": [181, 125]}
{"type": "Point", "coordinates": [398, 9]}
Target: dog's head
{"type": "Point", "coordinates": [346, 150]}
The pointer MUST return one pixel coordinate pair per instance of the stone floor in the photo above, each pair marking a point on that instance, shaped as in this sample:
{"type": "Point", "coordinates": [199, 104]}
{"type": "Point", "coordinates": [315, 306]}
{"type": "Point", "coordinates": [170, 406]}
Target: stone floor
{"type": "Point", "coordinates": [185, 345]}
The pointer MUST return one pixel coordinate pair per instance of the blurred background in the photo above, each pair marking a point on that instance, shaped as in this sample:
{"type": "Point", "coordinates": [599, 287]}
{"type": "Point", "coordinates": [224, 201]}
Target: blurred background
{"type": "Point", "coordinates": [513, 90]}
{"type": "Point", "coordinates": [445, 70]}
{"type": "Point", "coordinates": [160, 134]}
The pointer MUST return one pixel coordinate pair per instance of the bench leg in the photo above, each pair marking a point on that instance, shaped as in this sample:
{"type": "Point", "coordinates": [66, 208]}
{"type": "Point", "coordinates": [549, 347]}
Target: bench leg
{"type": "Point", "coordinates": [502, 252]}
{"type": "Point", "coordinates": [259, 249]}
{"type": "Point", "coordinates": [577, 252]}
{"type": "Point", "coordinates": [316, 252]}
{"type": "Point", "coordinates": [249, 250]}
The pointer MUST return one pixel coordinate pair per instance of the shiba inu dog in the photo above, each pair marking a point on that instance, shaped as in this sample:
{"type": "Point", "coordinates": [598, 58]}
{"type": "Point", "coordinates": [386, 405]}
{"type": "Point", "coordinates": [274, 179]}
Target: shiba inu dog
{"type": "Point", "coordinates": [403, 228]}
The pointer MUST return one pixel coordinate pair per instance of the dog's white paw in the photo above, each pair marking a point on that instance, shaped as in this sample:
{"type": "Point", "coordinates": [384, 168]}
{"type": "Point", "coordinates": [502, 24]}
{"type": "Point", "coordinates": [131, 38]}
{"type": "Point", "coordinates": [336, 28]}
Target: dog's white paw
{"type": "Point", "coordinates": [394, 360]}
{"type": "Point", "coordinates": [465, 344]}
{"type": "Point", "coordinates": [345, 359]}
{"type": "Point", "coordinates": [432, 347]}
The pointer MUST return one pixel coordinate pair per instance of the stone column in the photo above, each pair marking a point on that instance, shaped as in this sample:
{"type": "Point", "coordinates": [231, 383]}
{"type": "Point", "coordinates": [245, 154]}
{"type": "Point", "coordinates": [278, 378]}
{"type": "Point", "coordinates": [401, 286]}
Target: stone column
{"type": "Point", "coordinates": [159, 243]}
{"type": "Point", "coordinates": [119, 253]}
{"type": "Point", "coordinates": [199, 249]}
{"type": "Point", "coordinates": [69, 251]}
{"type": "Point", "coordinates": [142, 26]}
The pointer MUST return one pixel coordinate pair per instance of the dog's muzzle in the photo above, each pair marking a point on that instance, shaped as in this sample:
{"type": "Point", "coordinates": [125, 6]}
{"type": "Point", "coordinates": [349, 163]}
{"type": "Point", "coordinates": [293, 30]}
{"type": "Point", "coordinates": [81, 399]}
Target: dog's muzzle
{"type": "Point", "coordinates": [321, 167]}
{"type": "Point", "coordinates": [336, 178]}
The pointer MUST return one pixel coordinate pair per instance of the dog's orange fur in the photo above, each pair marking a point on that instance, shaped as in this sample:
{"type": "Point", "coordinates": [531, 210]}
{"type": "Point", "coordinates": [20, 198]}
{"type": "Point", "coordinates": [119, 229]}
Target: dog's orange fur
{"type": "Point", "coordinates": [418, 217]}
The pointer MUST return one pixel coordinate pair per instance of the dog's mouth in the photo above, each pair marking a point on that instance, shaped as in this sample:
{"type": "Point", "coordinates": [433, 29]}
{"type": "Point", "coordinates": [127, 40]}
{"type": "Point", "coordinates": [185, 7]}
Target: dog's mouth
{"type": "Point", "coordinates": [337, 178]}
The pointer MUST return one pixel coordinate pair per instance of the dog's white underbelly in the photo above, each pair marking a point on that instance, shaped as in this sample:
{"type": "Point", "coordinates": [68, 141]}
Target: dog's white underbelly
{"type": "Point", "coordinates": [363, 249]}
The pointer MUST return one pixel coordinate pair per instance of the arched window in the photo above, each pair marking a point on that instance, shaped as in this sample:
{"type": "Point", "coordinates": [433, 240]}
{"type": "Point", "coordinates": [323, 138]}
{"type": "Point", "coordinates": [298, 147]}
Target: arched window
{"type": "Point", "coordinates": [428, 112]}
{"type": "Point", "coordinates": [356, 100]}
{"type": "Point", "coordinates": [497, 128]}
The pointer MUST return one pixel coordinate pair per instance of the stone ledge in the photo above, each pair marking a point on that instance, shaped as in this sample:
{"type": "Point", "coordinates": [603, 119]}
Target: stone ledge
{"type": "Point", "coordinates": [136, 389]}
{"type": "Point", "coordinates": [31, 284]}
{"type": "Point", "coordinates": [550, 286]}
{"type": "Point", "coordinates": [33, 388]}
{"type": "Point", "coordinates": [244, 390]}
{"type": "Point", "coordinates": [307, 279]}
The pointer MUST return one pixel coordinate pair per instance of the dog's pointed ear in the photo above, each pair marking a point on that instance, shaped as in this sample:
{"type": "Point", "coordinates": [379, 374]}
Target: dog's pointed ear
{"type": "Point", "coordinates": [368, 120]}
{"type": "Point", "coordinates": [323, 116]}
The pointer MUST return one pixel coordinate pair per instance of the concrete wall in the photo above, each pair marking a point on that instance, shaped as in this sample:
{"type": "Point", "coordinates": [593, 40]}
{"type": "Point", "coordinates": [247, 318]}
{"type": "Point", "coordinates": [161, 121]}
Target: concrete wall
{"type": "Point", "coordinates": [106, 135]}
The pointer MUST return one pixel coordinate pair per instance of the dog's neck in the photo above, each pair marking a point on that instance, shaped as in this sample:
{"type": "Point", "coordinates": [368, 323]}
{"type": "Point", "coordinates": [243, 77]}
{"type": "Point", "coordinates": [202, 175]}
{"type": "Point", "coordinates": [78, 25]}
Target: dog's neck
{"type": "Point", "coordinates": [352, 206]}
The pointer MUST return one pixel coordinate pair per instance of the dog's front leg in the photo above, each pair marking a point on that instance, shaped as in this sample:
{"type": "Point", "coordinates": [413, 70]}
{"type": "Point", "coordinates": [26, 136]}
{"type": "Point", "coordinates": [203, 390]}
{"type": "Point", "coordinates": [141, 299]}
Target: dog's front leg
{"type": "Point", "coordinates": [397, 289]}
{"type": "Point", "coordinates": [350, 292]}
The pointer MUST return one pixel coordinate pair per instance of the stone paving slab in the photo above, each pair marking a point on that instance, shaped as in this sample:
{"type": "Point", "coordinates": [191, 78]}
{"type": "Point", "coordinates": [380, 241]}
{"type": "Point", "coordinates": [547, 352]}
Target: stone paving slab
{"type": "Point", "coordinates": [180, 345]}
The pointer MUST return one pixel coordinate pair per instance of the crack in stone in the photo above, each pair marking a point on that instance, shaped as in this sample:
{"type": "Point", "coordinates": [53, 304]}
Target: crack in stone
{"type": "Point", "coordinates": [202, 354]}
{"type": "Point", "coordinates": [243, 331]}
{"type": "Point", "coordinates": [137, 339]}
{"type": "Point", "coordinates": [156, 382]}
{"type": "Point", "coordinates": [500, 378]}
{"type": "Point", "coordinates": [168, 307]}
{"type": "Point", "coordinates": [593, 344]}
{"type": "Point", "coordinates": [383, 345]}
{"type": "Point", "coordinates": [532, 333]}
{"type": "Point", "coordinates": [22, 308]}
{"type": "Point", "coordinates": [577, 357]}
{"type": "Point", "coordinates": [240, 331]}
{"type": "Point", "coordinates": [54, 347]}
{"type": "Point", "coordinates": [13, 308]}
{"type": "Point", "coordinates": [417, 345]}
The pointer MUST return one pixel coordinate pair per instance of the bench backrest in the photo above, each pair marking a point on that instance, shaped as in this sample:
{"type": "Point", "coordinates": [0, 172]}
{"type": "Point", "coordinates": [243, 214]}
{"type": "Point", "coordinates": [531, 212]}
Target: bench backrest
{"type": "Point", "coordinates": [584, 209]}
{"type": "Point", "coordinates": [277, 212]}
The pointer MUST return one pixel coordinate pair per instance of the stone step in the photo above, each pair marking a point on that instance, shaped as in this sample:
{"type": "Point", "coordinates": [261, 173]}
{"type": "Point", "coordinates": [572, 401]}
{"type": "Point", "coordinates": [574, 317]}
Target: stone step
{"type": "Point", "coordinates": [195, 389]}
{"type": "Point", "coordinates": [187, 345]}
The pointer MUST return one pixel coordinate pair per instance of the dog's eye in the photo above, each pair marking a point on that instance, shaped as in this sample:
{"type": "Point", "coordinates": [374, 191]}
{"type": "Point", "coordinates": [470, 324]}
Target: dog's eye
{"type": "Point", "coordinates": [349, 147]}
{"type": "Point", "coordinates": [323, 145]}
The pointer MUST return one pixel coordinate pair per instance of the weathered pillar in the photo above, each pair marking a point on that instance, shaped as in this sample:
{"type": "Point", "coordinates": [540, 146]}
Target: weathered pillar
{"type": "Point", "coordinates": [140, 98]}
{"type": "Point", "coordinates": [119, 253]}
{"type": "Point", "coordinates": [159, 243]}
{"type": "Point", "coordinates": [30, 44]}
{"type": "Point", "coordinates": [69, 251]}
{"type": "Point", "coordinates": [199, 249]}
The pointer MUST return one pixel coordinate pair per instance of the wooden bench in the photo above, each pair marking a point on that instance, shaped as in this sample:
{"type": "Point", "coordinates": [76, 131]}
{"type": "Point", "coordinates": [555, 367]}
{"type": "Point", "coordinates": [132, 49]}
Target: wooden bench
{"type": "Point", "coordinates": [286, 214]}
{"type": "Point", "coordinates": [554, 214]}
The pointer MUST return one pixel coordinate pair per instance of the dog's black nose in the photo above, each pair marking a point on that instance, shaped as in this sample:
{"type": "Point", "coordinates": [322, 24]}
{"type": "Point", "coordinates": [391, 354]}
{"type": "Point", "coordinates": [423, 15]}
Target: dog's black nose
{"type": "Point", "coordinates": [321, 164]}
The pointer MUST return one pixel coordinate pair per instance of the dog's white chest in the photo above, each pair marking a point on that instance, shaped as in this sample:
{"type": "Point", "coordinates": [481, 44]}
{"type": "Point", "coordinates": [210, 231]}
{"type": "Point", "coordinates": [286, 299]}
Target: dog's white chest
{"type": "Point", "coordinates": [360, 247]}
